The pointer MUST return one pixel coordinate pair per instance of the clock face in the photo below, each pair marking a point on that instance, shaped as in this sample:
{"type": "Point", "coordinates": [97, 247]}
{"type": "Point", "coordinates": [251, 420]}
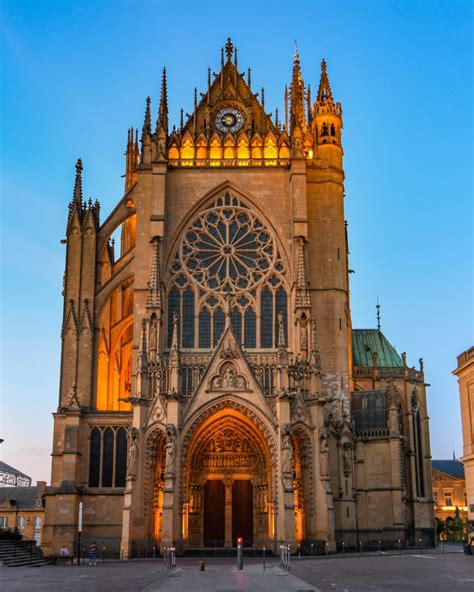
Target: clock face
{"type": "Point", "coordinates": [229, 120]}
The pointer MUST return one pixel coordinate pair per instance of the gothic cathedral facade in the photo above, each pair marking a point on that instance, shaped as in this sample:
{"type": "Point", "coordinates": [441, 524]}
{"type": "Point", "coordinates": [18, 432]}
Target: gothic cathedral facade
{"type": "Point", "coordinates": [211, 383]}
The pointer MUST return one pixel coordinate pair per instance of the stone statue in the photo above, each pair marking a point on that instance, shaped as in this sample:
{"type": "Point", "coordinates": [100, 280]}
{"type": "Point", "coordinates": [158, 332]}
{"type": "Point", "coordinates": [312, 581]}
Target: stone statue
{"type": "Point", "coordinates": [170, 450]}
{"type": "Point", "coordinates": [346, 459]}
{"type": "Point", "coordinates": [286, 455]}
{"type": "Point", "coordinates": [324, 455]}
{"type": "Point", "coordinates": [228, 378]}
{"type": "Point", "coordinates": [132, 455]}
{"type": "Point", "coordinates": [303, 335]}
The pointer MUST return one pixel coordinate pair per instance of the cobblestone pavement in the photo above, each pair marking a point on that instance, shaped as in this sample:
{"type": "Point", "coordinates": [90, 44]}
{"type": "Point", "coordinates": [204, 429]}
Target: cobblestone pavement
{"type": "Point", "coordinates": [387, 573]}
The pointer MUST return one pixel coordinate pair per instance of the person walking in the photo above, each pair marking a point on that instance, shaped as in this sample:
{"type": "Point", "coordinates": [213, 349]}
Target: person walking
{"type": "Point", "coordinates": [93, 554]}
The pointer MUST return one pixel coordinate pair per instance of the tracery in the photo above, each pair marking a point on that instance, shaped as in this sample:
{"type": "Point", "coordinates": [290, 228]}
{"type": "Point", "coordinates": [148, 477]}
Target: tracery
{"type": "Point", "coordinates": [227, 262]}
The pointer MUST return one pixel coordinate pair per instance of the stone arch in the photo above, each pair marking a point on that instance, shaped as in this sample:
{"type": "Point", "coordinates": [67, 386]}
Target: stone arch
{"type": "Point", "coordinates": [228, 441]}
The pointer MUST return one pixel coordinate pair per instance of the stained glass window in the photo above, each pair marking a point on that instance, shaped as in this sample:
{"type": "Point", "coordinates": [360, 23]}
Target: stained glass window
{"type": "Point", "coordinates": [188, 318]}
{"type": "Point", "coordinates": [121, 458]}
{"type": "Point", "coordinates": [204, 328]}
{"type": "Point", "coordinates": [219, 322]}
{"type": "Point", "coordinates": [107, 471]}
{"type": "Point", "coordinates": [281, 307]}
{"type": "Point", "coordinates": [250, 320]}
{"type": "Point", "coordinates": [266, 322]}
{"type": "Point", "coordinates": [236, 322]}
{"type": "Point", "coordinates": [94, 458]}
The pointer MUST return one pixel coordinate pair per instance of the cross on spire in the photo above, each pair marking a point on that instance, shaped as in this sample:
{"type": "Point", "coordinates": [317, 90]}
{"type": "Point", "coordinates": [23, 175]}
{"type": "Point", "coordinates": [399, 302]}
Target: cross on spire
{"type": "Point", "coordinates": [229, 49]}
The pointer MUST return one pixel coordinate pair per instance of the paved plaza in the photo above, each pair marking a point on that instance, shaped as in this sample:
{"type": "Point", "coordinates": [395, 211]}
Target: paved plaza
{"type": "Point", "coordinates": [410, 572]}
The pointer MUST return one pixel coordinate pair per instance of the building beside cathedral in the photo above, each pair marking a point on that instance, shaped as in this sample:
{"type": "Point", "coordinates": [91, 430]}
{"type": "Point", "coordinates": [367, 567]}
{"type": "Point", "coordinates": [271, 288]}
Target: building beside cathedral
{"type": "Point", "coordinates": [211, 383]}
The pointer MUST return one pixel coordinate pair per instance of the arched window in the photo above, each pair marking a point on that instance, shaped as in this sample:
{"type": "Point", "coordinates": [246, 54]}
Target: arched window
{"type": "Point", "coordinates": [236, 322]}
{"type": "Point", "coordinates": [418, 446]}
{"type": "Point", "coordinates": [267, 381]}
{"type": "Point", "coordinates": [108, 460]}
{"type": "Point", "coordinates": [250, 320]}
{"type": "Point", "coordinates": [219, 322]}
{"type": "Point", "coordinates": [266, 321]}
{"type": "Point", "coordinates": [188, 318]}
{"type": "Point", "coordinates": [204, 328]}
{"type": "Point", "coordinates": [121, 458]}
{"type": "Point", "coordinates": [186, 381]}
{"type": "Point", "coordinates": [94, 458]}
{"type": "Point", "coordinates": [281, 307]}
{"type": "Point", "coordinates": [173, 306]}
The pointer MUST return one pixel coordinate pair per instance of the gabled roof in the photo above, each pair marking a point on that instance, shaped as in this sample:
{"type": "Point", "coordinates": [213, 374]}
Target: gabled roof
{"type": "Point", "coordinates": [367, 341]}
{"type": "Point", "coordinates": [12, 470]}
{"type": "Point", "coordinates": [24, 497]}
{"type": "Point", "coordinates": [454, 468]}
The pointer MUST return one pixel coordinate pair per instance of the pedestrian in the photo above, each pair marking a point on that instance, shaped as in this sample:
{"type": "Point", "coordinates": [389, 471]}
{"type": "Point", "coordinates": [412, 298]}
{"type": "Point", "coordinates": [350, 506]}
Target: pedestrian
{"type": "Point", "coordinates": [93, 554]}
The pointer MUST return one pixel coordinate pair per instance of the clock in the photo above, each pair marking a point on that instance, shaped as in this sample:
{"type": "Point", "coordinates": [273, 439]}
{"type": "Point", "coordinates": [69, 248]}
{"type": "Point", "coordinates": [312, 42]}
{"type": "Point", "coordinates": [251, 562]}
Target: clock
{"type": "Point", "coordinates": [229, 120]}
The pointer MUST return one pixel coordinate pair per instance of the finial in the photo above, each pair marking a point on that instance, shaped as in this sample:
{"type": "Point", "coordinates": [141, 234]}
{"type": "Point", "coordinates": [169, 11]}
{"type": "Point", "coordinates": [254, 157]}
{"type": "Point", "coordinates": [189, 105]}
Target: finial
{"type": "Point", "coordinates": [229, 48]}
{"type": "Point", "coordinates": [296, 49]}
{"type": "Point", "coordinates": [222, 57]}
{"type": "Point", "coordinates": [277, 123]}
{"type": "Point", "coordinates": [209, 78]}
{"type": "Point", "coordinates": [147, 123]}
{"type": "Point", "coordinates": [263, 99]}
{"type": "Point", "coordinates": [378, 314]}
{"type": "Point", "coordinates": [195, 97]}
{"type": "Point", "coordinates": [162, 120]}
{"type": "Point", "coordinates": [181, 123]}
{"type": "Point", "coordinates": [323, 65]}
{"type": "Point", "coordinates": [77, 193]}
{"type": "Point", "coordinates": [249, 78]}
{"type": "Point", "coordinates": [235, 58]}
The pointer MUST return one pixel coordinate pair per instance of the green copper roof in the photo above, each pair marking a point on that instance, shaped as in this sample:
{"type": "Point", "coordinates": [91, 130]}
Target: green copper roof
{"type": "Point", "coordinates": [366, 341]}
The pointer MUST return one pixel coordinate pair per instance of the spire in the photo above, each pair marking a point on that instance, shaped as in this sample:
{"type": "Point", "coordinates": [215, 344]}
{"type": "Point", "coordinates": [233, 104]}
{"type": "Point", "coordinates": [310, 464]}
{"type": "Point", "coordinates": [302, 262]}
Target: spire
{"type": "Point", "coordinates": [302, 293]}
{"type": "Point", "coordinates": [162, 120]}
{"type": "Point", "coordinates": [77, 194]}
{"type": "Point", "coordinates": [146, 130]}
{"type": "Point", "coordinates": [297, 98]}
{"type": "Point", "coordinates": [324, 92]}
{"type": "Point", "coordinates": [154, 286]}
{"type": "Point", "coordinates": [378, 314]}
{"type": "Point", "coordinates": [229, 49]}
{"type": "Point", "coordinates": [142, 362]}
{"type": "Point", "coordinates": [281, 332]}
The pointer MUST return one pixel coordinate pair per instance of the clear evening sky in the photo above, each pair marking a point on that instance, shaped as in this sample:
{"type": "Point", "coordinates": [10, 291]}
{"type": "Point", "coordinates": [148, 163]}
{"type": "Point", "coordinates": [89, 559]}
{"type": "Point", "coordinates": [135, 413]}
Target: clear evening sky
{"type": "Point", "coordinates": [75, 76]}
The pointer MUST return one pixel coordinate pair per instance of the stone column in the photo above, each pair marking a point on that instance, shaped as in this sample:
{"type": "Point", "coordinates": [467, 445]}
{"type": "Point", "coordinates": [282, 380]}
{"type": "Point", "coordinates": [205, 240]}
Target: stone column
{"type": "Point", "coordinates": [228, 512]}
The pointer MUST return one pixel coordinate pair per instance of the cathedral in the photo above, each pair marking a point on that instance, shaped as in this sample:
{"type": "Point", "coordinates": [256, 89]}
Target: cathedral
{"type": "Point", "coordinates": [212, 386]}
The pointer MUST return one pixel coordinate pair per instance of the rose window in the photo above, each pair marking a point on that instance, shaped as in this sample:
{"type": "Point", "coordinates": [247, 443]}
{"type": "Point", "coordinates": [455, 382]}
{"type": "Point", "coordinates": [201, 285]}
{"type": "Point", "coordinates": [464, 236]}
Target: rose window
{"type": "Point", "coordinates": [227, 249]}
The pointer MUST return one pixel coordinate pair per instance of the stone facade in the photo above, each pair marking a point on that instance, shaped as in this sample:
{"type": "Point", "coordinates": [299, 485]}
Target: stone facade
{"type": "Point", "coordinates": [22, 510]}
{"type": "Point", "coordinates": [465, 374]}
{"type": "Point", "coordinates": [207, 378]}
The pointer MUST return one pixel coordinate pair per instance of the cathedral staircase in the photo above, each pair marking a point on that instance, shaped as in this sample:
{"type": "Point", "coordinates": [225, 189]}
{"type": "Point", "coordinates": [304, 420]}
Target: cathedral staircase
{"type": "Point", "coordinates": [14, 554]}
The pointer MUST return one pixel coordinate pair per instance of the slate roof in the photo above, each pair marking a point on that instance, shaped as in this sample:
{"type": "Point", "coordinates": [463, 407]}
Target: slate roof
{"type": "Point", "coordinates": [25, 497]}
{"type": "Point", "coordinates": [455, 468]}
{"type": "Point", "coordinates": [366, 341]}
{"type": "Point", "coordinates": [10, 469]}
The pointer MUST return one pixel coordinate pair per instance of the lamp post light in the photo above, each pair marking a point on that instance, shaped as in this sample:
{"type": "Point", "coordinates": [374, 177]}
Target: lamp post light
{"type": "Point", "coordinates": [79, 532]}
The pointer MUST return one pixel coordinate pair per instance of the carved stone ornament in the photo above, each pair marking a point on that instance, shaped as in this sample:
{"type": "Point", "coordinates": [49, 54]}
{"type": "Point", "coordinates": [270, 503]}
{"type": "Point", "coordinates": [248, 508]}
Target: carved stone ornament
{"type": "Point", "coordinates": [170, 451]}
{"type": "Point", "coordinates": [132, 460]}
{"type": "Point", "coordinates": [228, 379]}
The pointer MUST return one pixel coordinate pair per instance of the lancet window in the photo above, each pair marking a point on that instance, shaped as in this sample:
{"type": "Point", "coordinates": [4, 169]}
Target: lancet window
{"type": "Point", "coordinates": [418, 446]}
{"type": "Point", "coordinates": [107, 457]}
{"type": "Point", "coordinates": [227, 263]}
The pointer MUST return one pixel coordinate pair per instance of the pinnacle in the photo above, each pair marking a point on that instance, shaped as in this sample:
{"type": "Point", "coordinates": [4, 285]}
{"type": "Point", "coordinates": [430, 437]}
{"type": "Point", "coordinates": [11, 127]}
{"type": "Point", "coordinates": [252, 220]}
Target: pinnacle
{"type": "Point", "coordinates": [77, 193]}
{"type": "Point", "coordinates": [324, 91]}
{"type": "Point", "coordinates": [229, 49]}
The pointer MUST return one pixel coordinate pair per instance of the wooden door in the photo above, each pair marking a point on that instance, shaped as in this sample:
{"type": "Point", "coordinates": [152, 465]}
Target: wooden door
{"type": "Point", "coordinates": [242, 511]}
{"type": "Point", "coordinates": [214, 510]}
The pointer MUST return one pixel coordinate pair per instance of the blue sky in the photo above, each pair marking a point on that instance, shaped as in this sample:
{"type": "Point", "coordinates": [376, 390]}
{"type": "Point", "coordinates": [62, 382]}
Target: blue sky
{"type": "Point", "coordinates": [75, 76]}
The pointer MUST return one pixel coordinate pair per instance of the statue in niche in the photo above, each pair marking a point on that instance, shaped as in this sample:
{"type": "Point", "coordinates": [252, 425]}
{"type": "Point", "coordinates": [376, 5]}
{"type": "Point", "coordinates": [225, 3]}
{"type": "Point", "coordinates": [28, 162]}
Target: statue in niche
{"type": "Point", "coordinates": [286, 455]}
{"type": "Point", "coordinates": [324, 129]}
{"type": "Point", "coordinates": [170, 451]}
{"type": "Point", "coordinates": [132, 455]}
{"type": "Point", "coordinates": [324, 455]}
{"type": "Point", "coordinates": [153, 334]}
{"type": "Point", "coordinates": [346, 458]}
{"type": "Point", "coordinates": [303, 334]}
{"type": "Point", "coordinates": [228, 378]}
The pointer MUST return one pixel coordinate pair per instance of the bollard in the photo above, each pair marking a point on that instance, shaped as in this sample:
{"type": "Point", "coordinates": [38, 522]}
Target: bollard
{"type": "Point", "coordinates": [202, 566]}
{"type": "Point", "coordinates": [421, 546]}
{"type": "Point", "coordinates": [327, 550]}
{"type": "Point", "coordinates": [289, 558]}
{"type": "Point", "coordinates": [399, 547]}
{"type": "Point", "coordinates": [343, 550]}
{"type": "Point", "coordinates": [360, 548]}
{"type": "Point", "coordinates": [103, 554]}
{"type": "Point", "coordinates": [240, 553]}
{"type": "Point", "coordinates": [299, 552]}
{"type": "Point", "coordinates": [380, 548]}
{"type": "Point", "coordinates": [121, 554]}
{"type": "Point", "coordinates": [312, 549]}
{"type": "Point", "coordinates": [154, 551]}
{"type": "Point", "coordinates": [263, 558]}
